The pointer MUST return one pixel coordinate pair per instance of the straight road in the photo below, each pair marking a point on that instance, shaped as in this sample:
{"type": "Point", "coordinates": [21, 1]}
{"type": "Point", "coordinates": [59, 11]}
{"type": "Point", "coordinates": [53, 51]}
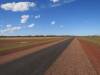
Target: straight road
{"type": "Point", "coordinates": [19, 54]}
{"type": "Point", "coordinates": [73, 61]}
{"type": "Point", "coordinates": [35, 63]}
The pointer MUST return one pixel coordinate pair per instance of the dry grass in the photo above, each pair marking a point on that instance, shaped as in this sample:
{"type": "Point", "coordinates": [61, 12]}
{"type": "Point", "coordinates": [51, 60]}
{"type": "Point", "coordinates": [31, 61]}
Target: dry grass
{"type": "Point", "coordinates": [95, 40]}
{"type": "Point", "coordinates": [11, 44]}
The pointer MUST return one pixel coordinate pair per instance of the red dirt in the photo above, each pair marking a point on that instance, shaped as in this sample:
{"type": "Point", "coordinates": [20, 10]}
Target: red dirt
{"type": "Point", "coordinates": [35, 63]}
{"type": "Point", "coordinates": [93, 52]}
{"type": "Point", "coordinates": [78, 58]}
{"type": "Point", "coordinates": [16, 55]}
{"type": "Point", "coordinates": [22, 48]}
{"type": "Point", "coordinates": [73, 61]}
{"type": "Point", "coordinates": [8, 42]}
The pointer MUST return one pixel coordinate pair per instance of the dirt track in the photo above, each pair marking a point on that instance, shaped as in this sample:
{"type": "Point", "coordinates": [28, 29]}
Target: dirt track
{"type": "Point", "coordinates": [63, 58]}
{"type": "Point", "coordinates": [73, 61]}
{"type": "Point", "coordinates": [35, 63]}
{"type": "Point", "coordinates": [18, 54]}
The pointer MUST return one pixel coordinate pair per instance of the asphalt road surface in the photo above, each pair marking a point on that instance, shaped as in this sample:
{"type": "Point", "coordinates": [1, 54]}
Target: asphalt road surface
{"type": "Point", "coordinates": [36, 63]}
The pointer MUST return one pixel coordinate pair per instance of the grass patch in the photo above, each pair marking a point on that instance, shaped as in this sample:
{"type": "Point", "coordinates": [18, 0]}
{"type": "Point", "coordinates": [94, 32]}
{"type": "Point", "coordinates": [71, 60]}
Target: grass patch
{"type": "Point", "coordinates": [95, 40]}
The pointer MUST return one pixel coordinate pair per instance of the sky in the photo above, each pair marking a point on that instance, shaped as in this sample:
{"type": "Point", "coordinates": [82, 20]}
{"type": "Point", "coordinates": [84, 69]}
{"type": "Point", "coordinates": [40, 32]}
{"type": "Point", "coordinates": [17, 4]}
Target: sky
{"type": "Point", "coordinates": [49, 17]}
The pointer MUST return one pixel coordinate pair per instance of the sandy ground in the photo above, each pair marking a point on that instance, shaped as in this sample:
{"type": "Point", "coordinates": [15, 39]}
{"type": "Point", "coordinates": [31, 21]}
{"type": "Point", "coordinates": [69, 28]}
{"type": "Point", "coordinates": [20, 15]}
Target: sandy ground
{"type": "Point", "coordinates": [73, 61]}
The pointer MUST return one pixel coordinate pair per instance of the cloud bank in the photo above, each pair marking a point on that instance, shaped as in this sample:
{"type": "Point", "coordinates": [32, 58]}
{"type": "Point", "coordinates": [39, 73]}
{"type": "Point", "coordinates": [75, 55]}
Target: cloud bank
{"type": "Point", "coordinates": [19, 6]}
{"type": "Point", "coordinates": [25, 6]}
{"type": "Point", "coordinates": [10, 29]}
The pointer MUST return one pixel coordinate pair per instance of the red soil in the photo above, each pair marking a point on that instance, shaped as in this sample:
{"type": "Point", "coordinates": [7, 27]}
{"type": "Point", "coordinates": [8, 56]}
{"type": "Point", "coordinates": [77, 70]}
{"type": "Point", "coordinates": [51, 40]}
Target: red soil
{"type": "Point", "coordinates": [16, 55]}
{"type": "Point", "coordinates": [93, 53]}
{"type": "Point", "coordinates": [22, 48]}
{"type": "Point", "coordinates": [73, 61]}
{"type": "Point", "coordinates": [34, 44]}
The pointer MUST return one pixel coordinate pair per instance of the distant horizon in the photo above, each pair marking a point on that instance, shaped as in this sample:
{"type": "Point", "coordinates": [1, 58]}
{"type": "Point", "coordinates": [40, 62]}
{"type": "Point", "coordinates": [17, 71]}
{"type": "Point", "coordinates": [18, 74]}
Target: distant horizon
{"type": "Point", "coordinates": [42, 35]}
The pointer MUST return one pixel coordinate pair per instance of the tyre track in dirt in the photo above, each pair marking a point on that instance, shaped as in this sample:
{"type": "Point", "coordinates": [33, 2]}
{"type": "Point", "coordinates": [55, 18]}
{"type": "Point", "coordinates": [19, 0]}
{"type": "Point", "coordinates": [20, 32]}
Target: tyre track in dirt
{"type": "Point", "coordinates": [73, 61]}
{"type": "Point", "coordinates": [36, 63]}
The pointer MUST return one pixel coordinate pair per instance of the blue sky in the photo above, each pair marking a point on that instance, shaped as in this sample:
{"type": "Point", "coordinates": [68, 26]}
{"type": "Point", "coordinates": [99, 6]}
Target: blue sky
{"type": "Point", "coordinates": [49, 17]}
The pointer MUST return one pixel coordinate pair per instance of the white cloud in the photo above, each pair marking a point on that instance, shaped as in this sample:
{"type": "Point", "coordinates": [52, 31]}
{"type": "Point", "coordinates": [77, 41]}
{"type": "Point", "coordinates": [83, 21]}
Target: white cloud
{"type": "Point", "coordinates": [55, 1]}
{"type": "Point", "coordinates": [24, 18]}
{"type": "Point", "coordinates": [31, 25]}
{"type": "Point", "coordinates": [37, 16]}
{"type": "Point", "coordinates": [53, 22]}
{"type": "Point", "coordinates": [11, 29]}
{"type": "Point", "coordinates": [24, 6]}
{"type": "Point", "coordinates": [19, 6]}
{"type": "Point", "coordinates": [8, 25]}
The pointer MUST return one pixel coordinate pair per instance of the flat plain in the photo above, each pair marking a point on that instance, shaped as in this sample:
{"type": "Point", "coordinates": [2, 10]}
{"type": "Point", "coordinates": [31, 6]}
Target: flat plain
{"type": "Point", "coordinates": [50, 56]}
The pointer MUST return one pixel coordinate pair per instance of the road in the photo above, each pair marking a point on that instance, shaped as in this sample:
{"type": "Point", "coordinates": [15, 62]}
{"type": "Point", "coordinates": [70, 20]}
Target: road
{"type": "Point", "coordinates": [67, 57]}
{"type": "Point", "coordinates": [73, 61]}
{"type": "Point", "coordinates": [36, 63]}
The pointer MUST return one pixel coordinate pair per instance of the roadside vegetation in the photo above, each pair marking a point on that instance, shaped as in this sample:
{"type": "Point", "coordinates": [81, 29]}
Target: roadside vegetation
{"type": "Point", "coordinates": [94, 39]}
{"type": "Point", "coordinates": [22, 43]}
